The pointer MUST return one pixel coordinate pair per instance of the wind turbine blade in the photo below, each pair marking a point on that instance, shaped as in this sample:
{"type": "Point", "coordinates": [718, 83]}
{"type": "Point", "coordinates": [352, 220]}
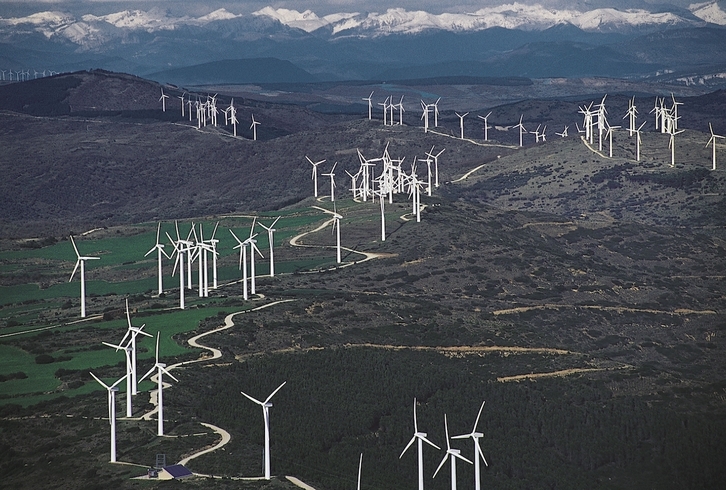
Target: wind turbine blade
{"type": "Point", "coordinates": [441, 465]}
{"type": "Point", "coordinates": [119, 380]}
{"type": "Point", "coordinates": [478, 415]}
{"type": "Point", "coordinates": [273, 393]}
{"type": "Point", "coordinates": [252, 228]}
{"type": "Point", "coordinates": [74, 270]}
{"type": "Point", "coordinates": [360, 465]}
{"type": "Point", "coordinates": [430, 443]}
{"type": "Point", "coordinates": [410, 443]}
{"type": "Point", "coordinates": [74, 246]}
{"type": "Point", "coordinates": [214, 232]}
{"type": "Point", "coordinates": [99, 380]}
{"type": "Point", "coordinates": [446, 428]}
{"type": "Point", "coordinates": [253, 399]}
{"type": "Point", "coordinates": [457, 455]}
{"type": "Point", "coordinates": [148, 373]}
{"type": "Point", "coordinates": [481, 453]}
{"type": "Point", "coordinates": [163, 370]}
{"type": "Point", "coordinates": [113, 346]}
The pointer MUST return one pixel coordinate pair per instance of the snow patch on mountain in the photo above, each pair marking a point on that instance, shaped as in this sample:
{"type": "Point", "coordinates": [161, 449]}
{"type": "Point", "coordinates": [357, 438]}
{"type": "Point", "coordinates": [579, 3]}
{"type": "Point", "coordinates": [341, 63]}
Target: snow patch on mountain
{"type": "Point", "coordinates": [219, 14]}
{"type": "Point", "coordinates": [510, 16]}
{"type": "Point", "coordinates": [709, 12]}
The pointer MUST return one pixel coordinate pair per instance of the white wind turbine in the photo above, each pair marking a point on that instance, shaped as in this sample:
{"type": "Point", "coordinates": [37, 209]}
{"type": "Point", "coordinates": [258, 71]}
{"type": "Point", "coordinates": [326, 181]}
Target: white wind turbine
{"type": "Point", "coordinates": [162, 99]}
{"type": "Point", "coordinates": [638, 141]}
{"type": "Point", "coordinates": [521, 129]}
{"type": "Point", "coordinates": [401, 110]}
{"type": "Point", "coordinates": [610, 130]}
{"type": "Point", "coordinates": [436, 112]}
{"type": "Point", "coordinates": [478, 453]}
{"type": "Point", "coordinates": [385, 110]}
{"type": "Point", "coordinates": [370, 106]}
{"type": "Point", "coordinates": [160, 251]}
{"type": "Point", "coordinates": [486, 125]}
{"type": "Point", "coordinates": [253, 127]}
{"type": "Point", "coordinates": [270, 230]}
{"type": "Point", "coordinates": [419, 438]}
{"type": "Point", "coordinates": [425, 116]}
{"type": "Point", "coordinates": [461, 123]}
{"type": "Point", "coordinates": [81, 260]}
{"type": "Point", "coordinates": [336, 228]}
{"type": "Point", "coordinates": [266, 405]}
{"type": "Point", "coordinates": [133, 331]}
{"type": "Point", "coordinates": [242, 245]}
{"type": "Point", "coordinates": [436, 164]}
{"type": "Point", "coordinates": [181, 247]}
{"type": "Point", "coordinates": [713, 139]}
{"type": "Point", "coordinates": [672, 146]}
{"type": "Point", "coordinates": [160, 369]}
{"type": "Point", "coordinates": [563, 134]}
{"type": "Point", "coordinates": [181, 97]}
{"type": "Point", "coordinates": [111, 411]}
{"type": "Point", "coordinates": [332, 182]}
{"type": "Point", "coordinates": [315, 172]}
{"type": "Point", "coordinates": [452, 455]}
{"type": "Point", "coordinates": [129, 373]}
{"type": "Point", "coordinates": [253, 248]}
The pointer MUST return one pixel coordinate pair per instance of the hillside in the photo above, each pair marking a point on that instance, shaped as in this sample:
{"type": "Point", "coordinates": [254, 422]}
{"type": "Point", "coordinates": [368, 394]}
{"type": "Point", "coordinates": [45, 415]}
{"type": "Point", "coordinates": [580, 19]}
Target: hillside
{"type": "Point", "coordinates": [580, 296]}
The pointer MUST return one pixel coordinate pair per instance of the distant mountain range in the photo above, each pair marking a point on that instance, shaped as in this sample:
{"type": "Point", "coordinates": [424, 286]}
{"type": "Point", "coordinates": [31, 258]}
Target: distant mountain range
{"type": "Point", "coordinates": [508, 40]}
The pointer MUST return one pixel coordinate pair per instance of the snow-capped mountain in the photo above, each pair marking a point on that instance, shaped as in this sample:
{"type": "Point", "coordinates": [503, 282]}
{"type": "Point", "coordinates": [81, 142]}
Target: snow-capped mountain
{"type": "Point", "coordinates": [513, 39]}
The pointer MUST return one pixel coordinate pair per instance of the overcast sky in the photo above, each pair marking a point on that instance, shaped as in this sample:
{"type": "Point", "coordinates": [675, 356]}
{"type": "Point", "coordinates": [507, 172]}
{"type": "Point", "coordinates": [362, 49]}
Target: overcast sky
{"type": "Point", "coordinates": [321, 7]}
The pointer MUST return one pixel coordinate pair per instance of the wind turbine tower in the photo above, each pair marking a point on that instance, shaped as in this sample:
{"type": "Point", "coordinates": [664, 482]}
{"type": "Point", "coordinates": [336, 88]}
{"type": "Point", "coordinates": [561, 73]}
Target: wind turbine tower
{"type": "Point", "coordinates": [266, 405]}
{"type": "Point", "coordinates": [82, 262]}
{"type": "Point", "coordinates": [111, 411]}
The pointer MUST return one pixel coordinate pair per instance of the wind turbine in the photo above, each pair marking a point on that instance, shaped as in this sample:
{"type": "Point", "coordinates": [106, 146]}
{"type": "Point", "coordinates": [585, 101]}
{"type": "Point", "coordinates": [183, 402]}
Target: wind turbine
{"type": "Point", "coordinates": [129, 374]}
{"type": "Point", "coordinates": [253, 127]}
{"type": "Point", "coordinates": [453, 455]}
{"type": "Point", "coordinates": [461, 122]}
{"type": "Point", "coordinates": [478, 453]}
{"type": "Point", "coordinates": [82, 262]}
{"type": "Point", "coordinates": [713, 139]}
{"type": "Point", "coordinates": [672, 145]}
{"type": "Point", "coordinates": [419, 438]}
{"type": "Point", "coordinates": [436, 164]}
{"type": "Point", "coordinates": [610, 130]}
{"type": "Point", "coordinates": [336, 228]}
{"type": "Point", "coordinates": [160, 250]}
{"type": "Point", "coordinates": [111, 411]}
{"type": "Point", "coordinates": [486, 125]}
{"type": "Point", "coordinates": [370, 106]}
{"type": "Point", "coordinates": [160, 369]}
{"type": "Point", "coordinates": [521, 129]}
{"type": "Point", "coordinates": [253, 248]}
{"type": "Point", "coordinates": [242, 245]}
{"type": "Point", "coordinates": [134, 331]}
{"type": "Point", "coordinates": [162, 99]}
{"type": "Point", "coordinates": [315, 172]}
{"type": "Point", "coordinates": [385, 110]}
{"type": "Point", "coordinates": [638, 141]}
{"type": "Point", "coordinates": [182, 103]}
{"type": "Point", "coordinates": [266, 405]}
{"type": "Point", "coordinates": [332, 182]}
{"type": "Point", "coordinates": [436, 112]}
{"type": "Point", "coordinates": [270, 230]}
{"type": "Point", "coordinates": [563, 134]}
{"type": "Point", "coordinates": [401, 110]}
{"type": "Point", "coordinates": [425, 116]}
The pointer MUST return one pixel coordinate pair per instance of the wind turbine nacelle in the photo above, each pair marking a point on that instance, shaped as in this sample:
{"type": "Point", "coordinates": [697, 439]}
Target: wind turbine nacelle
{"type": "Point", "coordinates": [421, 434]}
{"type": "Point", "coordinates": [267, 405]}
{"type": "Point", "coordinates": [477, 434]}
